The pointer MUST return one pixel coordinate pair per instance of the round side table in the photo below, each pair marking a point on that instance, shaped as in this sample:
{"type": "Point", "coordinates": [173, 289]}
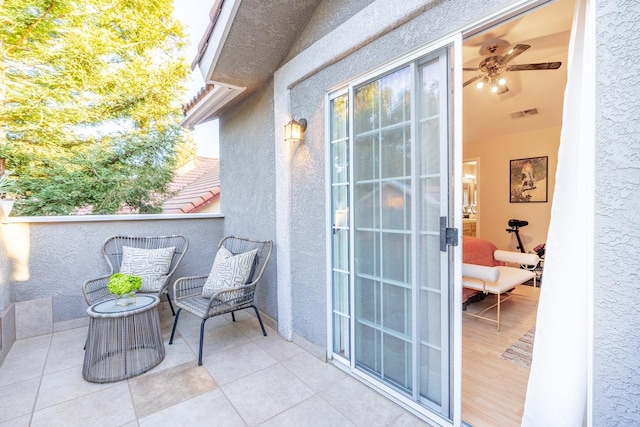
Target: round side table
{"type": "Point", "coordinates": [123, 341]}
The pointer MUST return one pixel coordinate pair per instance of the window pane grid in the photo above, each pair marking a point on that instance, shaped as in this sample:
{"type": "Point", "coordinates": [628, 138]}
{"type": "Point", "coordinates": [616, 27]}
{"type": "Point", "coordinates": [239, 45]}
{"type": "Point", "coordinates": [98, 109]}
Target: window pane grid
{"type": "Point", "coordinates": [340, 187]}
{"type": "Point", "coordinates": [399, 301]}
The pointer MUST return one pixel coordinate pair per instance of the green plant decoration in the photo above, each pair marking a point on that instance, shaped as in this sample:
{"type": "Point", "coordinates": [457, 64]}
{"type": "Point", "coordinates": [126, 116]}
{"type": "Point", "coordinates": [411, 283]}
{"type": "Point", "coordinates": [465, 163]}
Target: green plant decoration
{"type": "Point", "coordinates": [120, 284]}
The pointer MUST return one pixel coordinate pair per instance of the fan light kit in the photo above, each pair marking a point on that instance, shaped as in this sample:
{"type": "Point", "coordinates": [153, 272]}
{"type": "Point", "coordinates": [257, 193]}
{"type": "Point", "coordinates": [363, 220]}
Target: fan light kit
{"type": "Point", "coordinates": [494, 67]}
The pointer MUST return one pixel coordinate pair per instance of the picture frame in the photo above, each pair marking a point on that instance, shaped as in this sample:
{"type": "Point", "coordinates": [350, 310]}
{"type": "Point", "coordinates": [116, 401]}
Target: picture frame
{"type": "Point", "coordinates": [528, 181]}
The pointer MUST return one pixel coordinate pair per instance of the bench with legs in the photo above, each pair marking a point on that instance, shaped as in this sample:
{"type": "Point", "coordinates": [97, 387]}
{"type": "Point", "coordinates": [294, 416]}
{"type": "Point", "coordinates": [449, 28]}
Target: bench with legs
{"type": "Point", "coordinates": [499, 280]}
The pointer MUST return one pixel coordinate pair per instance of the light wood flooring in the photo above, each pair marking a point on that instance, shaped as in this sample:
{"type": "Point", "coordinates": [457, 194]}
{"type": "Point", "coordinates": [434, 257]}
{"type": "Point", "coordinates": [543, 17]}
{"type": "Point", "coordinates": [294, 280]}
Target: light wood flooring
{"type": "Point", "coordinates": [493, 389]}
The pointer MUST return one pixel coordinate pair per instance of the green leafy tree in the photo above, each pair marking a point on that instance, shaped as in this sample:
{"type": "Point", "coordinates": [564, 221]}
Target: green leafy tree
{"type": "Point", "coordinates": [89, 103]}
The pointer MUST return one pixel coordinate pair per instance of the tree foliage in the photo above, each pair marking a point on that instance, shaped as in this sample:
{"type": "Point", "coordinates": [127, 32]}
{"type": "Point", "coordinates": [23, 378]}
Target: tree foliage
{"type": "Point", "coordinates": [89, 113]}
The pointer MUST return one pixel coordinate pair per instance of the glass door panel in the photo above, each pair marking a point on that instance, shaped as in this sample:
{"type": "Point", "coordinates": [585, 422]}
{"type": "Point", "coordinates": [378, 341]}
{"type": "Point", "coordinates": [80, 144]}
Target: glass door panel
{"type": "Point", "coordinates": [390, 281]}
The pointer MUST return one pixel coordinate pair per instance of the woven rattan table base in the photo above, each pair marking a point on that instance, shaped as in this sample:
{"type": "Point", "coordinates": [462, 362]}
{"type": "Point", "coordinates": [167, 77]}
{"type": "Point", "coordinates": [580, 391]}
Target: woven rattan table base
{"type": "Point", "coordinates": [122, 342]}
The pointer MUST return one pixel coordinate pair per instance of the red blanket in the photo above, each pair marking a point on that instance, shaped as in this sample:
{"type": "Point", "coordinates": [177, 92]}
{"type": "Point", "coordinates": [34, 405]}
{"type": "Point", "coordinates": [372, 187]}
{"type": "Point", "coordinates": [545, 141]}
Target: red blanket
{"type": "Point", "coordinates": [480, 252]}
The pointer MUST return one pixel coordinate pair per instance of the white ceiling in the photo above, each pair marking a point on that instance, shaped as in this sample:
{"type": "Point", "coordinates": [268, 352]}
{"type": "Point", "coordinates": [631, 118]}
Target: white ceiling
{"type": "Point", "coordinates": [487, 114]}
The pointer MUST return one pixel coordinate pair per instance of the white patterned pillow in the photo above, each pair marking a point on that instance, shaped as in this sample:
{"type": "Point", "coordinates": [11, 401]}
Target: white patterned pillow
{"type": "Point", "coordinates": [152, 265]}
{"type": "Point", "coordinates": [229, 271]}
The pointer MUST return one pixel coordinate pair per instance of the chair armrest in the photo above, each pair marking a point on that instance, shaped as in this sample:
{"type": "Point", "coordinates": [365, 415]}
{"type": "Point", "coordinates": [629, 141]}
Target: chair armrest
{"type": "Point", "coordinates": [480, 272]}
{"type": "Point", "coordinates": [516, 257]}
{"type": "Point", "coordinates": [233, 297]}
{"type": "Point", "coordinates": [95, 289]}
{"type": "Point", "coordinates": [186, 287]}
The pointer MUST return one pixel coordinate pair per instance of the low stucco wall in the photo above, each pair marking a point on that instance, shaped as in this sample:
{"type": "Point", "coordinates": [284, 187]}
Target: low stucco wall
{"type": "Point", "coordinates": [51, 258]}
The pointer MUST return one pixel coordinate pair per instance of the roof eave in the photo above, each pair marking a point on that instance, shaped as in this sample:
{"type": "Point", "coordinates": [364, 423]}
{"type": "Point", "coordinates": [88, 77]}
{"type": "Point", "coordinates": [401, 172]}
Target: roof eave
{"type": "Point", "coordinates": [211, 104]}
{"type": "Point", "coordinates": [212, 43]}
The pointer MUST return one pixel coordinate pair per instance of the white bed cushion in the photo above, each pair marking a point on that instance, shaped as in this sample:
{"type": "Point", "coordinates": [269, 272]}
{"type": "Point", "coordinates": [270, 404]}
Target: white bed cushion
{"type": "Point", "coordinates": [152, 265]}
{"type": "Point", "coordinates": [484, 278]}
{"type": "Point", "coordinates": [516, 257]}
{"type": "Point", "coordinates": [228, 271]}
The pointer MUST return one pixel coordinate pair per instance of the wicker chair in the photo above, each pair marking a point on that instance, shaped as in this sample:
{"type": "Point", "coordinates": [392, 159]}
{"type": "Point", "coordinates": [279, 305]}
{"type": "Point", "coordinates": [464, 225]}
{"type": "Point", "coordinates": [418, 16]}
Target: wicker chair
{"type": "Point", "coordinates": [187, 291]}
{"type": "Point", "coordinates": [95, 290]}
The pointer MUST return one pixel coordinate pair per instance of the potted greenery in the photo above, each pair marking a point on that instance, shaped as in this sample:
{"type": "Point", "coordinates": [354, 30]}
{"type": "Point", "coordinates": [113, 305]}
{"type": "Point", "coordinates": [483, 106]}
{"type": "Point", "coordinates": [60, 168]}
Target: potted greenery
{"type": "Point", "coordinates": [8, 192]}
{"type": "Point", "coordinates": [124, 287]}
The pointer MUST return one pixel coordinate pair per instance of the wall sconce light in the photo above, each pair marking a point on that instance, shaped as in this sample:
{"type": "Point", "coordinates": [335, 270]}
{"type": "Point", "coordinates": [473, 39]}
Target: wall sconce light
{"type": "Point", "coordinates": [293, 130]}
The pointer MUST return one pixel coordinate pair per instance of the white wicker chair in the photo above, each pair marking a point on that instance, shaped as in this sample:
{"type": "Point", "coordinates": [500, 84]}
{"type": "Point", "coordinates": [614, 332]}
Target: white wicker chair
{"type": "Point", "coordinates": [187, 291]}
{"type": "Point", "coordinates": [95, 290]}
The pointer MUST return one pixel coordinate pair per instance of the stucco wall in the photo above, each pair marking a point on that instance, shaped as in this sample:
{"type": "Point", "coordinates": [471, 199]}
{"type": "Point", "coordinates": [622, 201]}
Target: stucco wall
{"type": "Point", "coordinates": [616, 367]}
{"type": "Point", "coordinates": [308, 227]}
{"type": "Point", "coordinates": [328, 15]}
{"type": "Point", "coordinates": [248, 182]}
{"type": "Point", "coordinates": [53, 259]}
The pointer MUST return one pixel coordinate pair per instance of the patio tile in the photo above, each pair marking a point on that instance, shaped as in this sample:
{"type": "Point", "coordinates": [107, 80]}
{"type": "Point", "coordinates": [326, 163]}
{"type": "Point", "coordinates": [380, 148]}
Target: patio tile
{"type": "Point", "coordinates": [68, 384]}
{"type": "Point", "coordinates": [210, 408]}
{"type": "Point", "coordinates": [66, 350]}
{"type": "Point", "coordinates": [34, 318]}
{"type": "Point", "coordinates": [247, 379]}
{"type": "Point", "coordinates": [313, 372]}
{"type": "Point", "coordinates": [249, 325]}
{"type": "Point", "coordinates": [189, 324]}
{"type": "Point", "coordinates": [313, 412]}
{"type": "Point", "coordinates": [160, 390]}
{"type": "Point", "coordinates": [17, 422]}
{"type": "Point", "coordinates": [18, 367]}
{"type": "Point", "coordinates": [17, 399]}
{"type": "Point", "coordinates": [230, 364]}
{"type": "Point", "coordinates": [26, 346]}
{"type": "Point", "coordinates": [277, 347]}
{"type": "Point", "coordinates": [265, 394]}
{"type": "Point", "coordinates": [408, 420]}
{"type": "Point", "coordinates": [175, 354]}
{"type": "Point", "coordinates": [360, 404]}
{"type": "Point", "coordinates": [215, 339]}
{"type": "Point", "coordinates": [108, 407]}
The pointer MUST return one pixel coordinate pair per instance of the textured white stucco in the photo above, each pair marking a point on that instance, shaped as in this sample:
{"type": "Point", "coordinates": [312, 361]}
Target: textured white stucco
{"type": "Point", "coordinates": [616, 347]}
{"type": "Point", "coordinates": [248, 183]}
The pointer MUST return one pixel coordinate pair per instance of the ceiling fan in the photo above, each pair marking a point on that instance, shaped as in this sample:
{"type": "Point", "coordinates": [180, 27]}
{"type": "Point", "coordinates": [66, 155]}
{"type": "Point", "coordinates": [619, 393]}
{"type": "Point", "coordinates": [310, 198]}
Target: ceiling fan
{"type": "Point", "coordinates": [494, 67]}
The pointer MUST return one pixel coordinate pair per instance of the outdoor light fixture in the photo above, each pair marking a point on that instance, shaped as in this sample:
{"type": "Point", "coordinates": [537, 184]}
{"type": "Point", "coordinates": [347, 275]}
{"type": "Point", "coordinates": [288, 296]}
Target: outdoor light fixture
{"type": "Point", "coordinates": [293, 130]}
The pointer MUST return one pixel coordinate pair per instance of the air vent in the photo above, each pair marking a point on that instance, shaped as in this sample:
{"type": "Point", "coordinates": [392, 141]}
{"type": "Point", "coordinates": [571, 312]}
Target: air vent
{"type": "Point", "coordinates": [525, 113]}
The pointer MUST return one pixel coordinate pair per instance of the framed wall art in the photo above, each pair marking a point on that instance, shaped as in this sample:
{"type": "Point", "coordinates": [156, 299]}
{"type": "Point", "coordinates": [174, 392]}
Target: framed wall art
{"type": "Point", "coordinates": [528, 180]}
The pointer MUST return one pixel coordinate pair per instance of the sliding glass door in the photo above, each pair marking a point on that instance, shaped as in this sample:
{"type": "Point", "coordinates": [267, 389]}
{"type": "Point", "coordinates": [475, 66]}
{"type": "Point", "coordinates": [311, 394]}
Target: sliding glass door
{"type": "Point", "coordinates": [390, 150]}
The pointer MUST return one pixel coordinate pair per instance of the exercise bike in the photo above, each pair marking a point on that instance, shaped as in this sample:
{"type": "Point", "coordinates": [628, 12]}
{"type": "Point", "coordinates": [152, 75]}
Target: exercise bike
{"type": "Point", "coordinates": [515, 225]}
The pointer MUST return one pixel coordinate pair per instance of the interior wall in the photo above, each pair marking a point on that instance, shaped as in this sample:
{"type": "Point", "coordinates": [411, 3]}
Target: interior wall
{"type": "Point", "coordinates": [494, 206]}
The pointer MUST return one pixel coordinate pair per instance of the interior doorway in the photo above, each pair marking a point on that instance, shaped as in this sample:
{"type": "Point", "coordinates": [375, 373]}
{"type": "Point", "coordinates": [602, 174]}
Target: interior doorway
{"type": "Point", "coordinates": [513, 99]}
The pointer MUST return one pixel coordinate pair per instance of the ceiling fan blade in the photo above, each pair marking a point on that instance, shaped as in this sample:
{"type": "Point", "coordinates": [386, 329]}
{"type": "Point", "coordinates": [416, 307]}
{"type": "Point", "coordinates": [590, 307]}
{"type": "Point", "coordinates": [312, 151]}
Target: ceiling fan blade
{"type": "Point", "coordinates": [540, 66]}
{"type": "Point", "coordinates": [471, 69]}
{"type": "Point", "coordinates": [517, 50]}
{"type": "Point", "coordinates": [503, 89]}
{"type": "Point", "coordinates": [473, 79]}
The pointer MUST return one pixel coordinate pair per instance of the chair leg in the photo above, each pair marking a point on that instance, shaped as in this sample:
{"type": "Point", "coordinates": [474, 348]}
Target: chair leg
{"type": "Point", "coordinates": [170, 305]}
{"type": "Point", "coordinates": [260, 320]}
{"type": "Point", "coordinates": [175, 323]}
{"type": "Point", "coordinates": [498, 317]}
{"type": "Point", "coordinates": [201, 341]}
{"type": "Point", "coordinates": [233, 316]}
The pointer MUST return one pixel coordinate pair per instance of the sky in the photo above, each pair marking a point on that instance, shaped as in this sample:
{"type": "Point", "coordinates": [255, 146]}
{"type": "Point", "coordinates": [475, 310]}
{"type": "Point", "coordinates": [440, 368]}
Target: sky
{"type": "Point", "coordinates": [194, 15]}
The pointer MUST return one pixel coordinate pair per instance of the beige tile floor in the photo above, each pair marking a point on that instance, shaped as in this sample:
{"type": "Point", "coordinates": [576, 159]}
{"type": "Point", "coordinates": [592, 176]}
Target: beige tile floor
{"type": "Point", "coordinates": [246, 379]}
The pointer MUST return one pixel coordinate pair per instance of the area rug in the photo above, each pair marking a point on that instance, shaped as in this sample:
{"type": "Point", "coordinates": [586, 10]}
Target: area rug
{"type": "Point", "coordinates": [520, 352]}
